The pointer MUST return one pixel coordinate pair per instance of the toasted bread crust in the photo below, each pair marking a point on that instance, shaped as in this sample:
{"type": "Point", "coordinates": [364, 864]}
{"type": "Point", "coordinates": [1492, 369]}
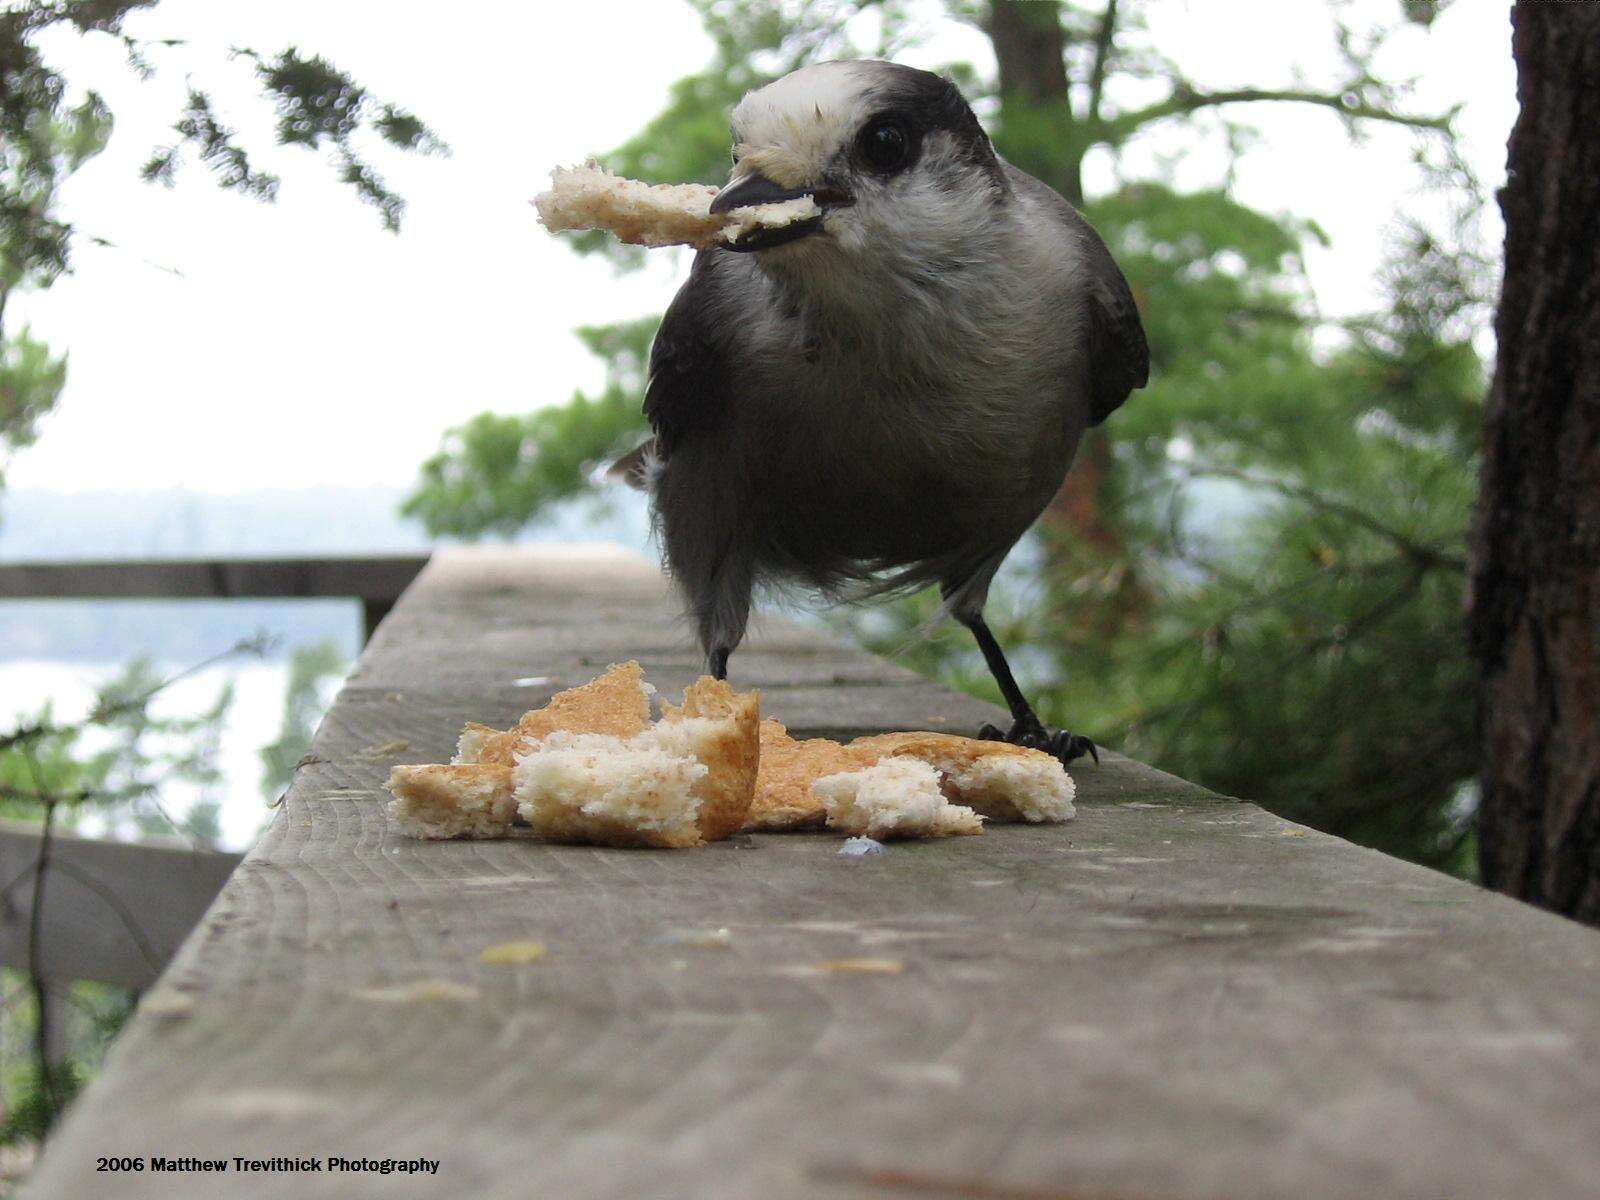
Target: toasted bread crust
{"type": "Point", "coordinates": [615, 703]}
{"type": "Point", "coordinates": [996, 779]}
{"type": "Point", "coordinates": [732, 752]}
{"type": "Point", "coordinates": [453, 800]}
{"type": "Point", "coordinates": [785, 799]}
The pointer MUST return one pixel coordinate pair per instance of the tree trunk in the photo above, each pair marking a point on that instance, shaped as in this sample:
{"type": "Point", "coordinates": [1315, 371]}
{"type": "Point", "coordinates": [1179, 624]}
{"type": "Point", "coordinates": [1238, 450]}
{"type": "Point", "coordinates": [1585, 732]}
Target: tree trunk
{"type": "Point", "coordinates": [1038, 132]}
{"type": "Point", "coordinates": [1534, 606]}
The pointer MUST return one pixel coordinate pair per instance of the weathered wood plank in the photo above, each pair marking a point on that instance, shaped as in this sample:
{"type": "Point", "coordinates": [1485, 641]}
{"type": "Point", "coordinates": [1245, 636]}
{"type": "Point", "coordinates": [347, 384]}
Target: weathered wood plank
{"type": "Point", "coordinates": [378, 579]}
{"type": "Point", "coordinates": [115, 912]}
{"type": "Point", "coordinates": [1179, 995]}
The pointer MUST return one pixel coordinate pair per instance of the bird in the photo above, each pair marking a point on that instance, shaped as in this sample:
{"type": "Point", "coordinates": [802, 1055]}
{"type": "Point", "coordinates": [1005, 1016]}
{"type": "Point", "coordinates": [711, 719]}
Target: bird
{"type": "Point", "coordinates": [884, 395]}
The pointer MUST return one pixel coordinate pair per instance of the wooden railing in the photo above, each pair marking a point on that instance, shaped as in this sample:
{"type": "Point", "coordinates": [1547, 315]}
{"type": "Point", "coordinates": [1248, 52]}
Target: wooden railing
{"type": "Point", "coordinates": [1177, 995]}
{"type": "Point", "coordinates": [116, 912]}
{"type": "Point", "coordinates": [375, 580]}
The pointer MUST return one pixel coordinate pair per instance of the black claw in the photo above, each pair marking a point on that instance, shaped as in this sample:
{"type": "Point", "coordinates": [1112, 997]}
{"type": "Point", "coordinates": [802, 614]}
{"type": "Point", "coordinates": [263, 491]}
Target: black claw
{"type": "Point", "coordinates": [1031, 732]}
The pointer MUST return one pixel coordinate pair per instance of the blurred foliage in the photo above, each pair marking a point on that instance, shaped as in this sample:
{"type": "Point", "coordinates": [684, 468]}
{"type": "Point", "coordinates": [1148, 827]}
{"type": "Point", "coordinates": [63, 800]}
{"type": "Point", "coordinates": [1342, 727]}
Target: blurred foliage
{"type": "Point", "coordinates": [1265, 595]}
{"type": "Point", "coordinates": [95, 1012]}
{"type": "Point", "coordinates": [116, 763]}
{"type": "Point", "coordinates": [50, 143]}
{"type": "Point", "coordinates": [315, 670]}
{"type": "Point", "coordinates": [30, 1109]}
{"type": "Point", "coordinates": [498, 472]}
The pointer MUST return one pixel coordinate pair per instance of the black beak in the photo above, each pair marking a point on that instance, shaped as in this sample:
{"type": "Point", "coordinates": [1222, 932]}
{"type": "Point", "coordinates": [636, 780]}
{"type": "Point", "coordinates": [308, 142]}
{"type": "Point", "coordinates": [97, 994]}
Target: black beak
{"type": "Point", "coordinates": [753, 189]}
{"type": "Point", "coordinates": [758, 189]}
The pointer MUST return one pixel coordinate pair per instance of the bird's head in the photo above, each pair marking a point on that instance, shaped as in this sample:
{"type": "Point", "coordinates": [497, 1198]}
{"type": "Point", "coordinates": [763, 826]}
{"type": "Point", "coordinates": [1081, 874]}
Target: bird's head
{"type": "Point", "coordinates": [893, 156]}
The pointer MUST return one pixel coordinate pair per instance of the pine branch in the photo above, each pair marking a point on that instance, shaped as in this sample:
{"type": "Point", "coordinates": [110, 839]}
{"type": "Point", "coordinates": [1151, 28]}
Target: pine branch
{"type": "Point", "coordinates": [1186, 100]}
{"type": "Point", "coordinates": [1104, 38]}
{"type": "Point", "coordinates": [1413, 549]}
{"type": "Point", "coordinates": [41, 1002]}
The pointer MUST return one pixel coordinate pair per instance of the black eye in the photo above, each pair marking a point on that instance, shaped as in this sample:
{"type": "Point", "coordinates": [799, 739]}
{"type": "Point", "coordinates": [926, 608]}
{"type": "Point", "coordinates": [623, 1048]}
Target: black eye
{"type": "Point", "coordinates": [884, 146]}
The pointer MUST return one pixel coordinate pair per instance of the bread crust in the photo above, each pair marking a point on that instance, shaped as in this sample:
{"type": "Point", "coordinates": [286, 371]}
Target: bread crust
{"type": "Point", "coordinates": [785, 799]}
{"type": "Point", "coordinates": [616, 703]}
{"type": "Point", "coordinates": [731, 751]}
{"type": "Point", "coordinates": [453, 800]}
{"type": "Point", "coordinates": [694, 782]}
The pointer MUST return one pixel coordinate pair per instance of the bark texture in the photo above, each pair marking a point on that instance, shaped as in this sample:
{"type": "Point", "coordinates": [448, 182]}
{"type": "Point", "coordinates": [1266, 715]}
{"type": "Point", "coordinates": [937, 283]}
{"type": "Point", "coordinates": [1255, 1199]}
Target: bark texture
{"type": "Point", "coordinates": [1030, 45]}
{"type": "Point", "coordinates": [1534, 607]}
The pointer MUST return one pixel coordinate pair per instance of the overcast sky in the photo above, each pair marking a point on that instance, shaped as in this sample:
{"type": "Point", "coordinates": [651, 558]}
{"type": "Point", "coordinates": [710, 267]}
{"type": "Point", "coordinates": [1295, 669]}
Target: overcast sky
{"type": "Point", "coordinates": [302, 345]}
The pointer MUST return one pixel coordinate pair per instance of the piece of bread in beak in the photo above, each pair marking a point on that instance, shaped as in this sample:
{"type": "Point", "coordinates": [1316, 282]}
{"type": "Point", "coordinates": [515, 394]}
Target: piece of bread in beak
{"type": "Point", "coordinates": [589, 767]}
{"type": "Point", "coordinates": [654, 214]}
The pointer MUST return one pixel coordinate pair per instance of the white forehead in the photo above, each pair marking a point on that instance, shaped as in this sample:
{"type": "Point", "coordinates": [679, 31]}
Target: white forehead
{"type": "Point", "coordinates": [826, 94]}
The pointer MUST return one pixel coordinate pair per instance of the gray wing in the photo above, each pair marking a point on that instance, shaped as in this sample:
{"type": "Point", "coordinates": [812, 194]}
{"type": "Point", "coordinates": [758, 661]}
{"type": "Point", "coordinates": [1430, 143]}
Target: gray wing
{"type": "Point", "coordinates": [1119, 354]}
{"type": "Point", "coordinates": [689, 379]}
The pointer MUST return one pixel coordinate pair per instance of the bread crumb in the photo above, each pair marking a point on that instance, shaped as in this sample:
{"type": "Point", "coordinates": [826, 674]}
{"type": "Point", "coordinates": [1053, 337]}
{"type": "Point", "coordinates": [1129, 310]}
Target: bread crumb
{"type": "Point", "coordinates": [857, 966]}
{"type": "Point", "coordinates": [417, 991]}
{"type": "Point", "coordinates": [166, 1002]}
{"type": "Point", "coordinates": [718, 939]}
{"type": "Point", "coordinates": [862, 847]}
{"type": "Point", "coordinates": [384, 749]}
{"type": "Point", "coordinates": [260, 1103]}
{"type": "Point", "coordinates": [512, 953]}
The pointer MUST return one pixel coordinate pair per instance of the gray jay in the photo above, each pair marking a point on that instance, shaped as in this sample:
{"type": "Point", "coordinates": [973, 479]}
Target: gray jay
{"type": "Point", "coordinates": [884, 396]}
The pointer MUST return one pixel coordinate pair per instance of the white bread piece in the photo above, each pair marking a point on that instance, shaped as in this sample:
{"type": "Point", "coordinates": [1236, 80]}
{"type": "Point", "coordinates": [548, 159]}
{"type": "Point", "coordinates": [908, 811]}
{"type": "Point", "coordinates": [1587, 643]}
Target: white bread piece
{"type": "Point", "coordinates": [593, 787]}
{"type": "Point", "coordinates": [472, 742]}
{"type": "Point", "coordinates": [1013, 788]}
{"type": "Point", "coordinates": [1001, 781]}
{"type": "Point", "coordinates": [893, 798]}
{"type": "Point", "coordinates": [660, 214]}
{"type": "Point", "coordinates": [995, 779]}
{"type": "Point", "coordinates": [439, 800]}
{"type": "Point", "coordinates": [684, 781]}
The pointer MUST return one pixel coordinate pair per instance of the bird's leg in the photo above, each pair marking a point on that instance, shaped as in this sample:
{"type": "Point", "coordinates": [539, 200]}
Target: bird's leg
{"type": "Point", "coordinates": [1026, 728]}
{"type": "Point", "coordinates": [717, 662]}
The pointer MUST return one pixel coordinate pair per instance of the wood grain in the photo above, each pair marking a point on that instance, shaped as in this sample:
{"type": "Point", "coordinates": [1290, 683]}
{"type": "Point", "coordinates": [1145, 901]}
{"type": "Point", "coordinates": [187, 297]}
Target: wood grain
{"type": "Point", "coordinates": [1178, 995]}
